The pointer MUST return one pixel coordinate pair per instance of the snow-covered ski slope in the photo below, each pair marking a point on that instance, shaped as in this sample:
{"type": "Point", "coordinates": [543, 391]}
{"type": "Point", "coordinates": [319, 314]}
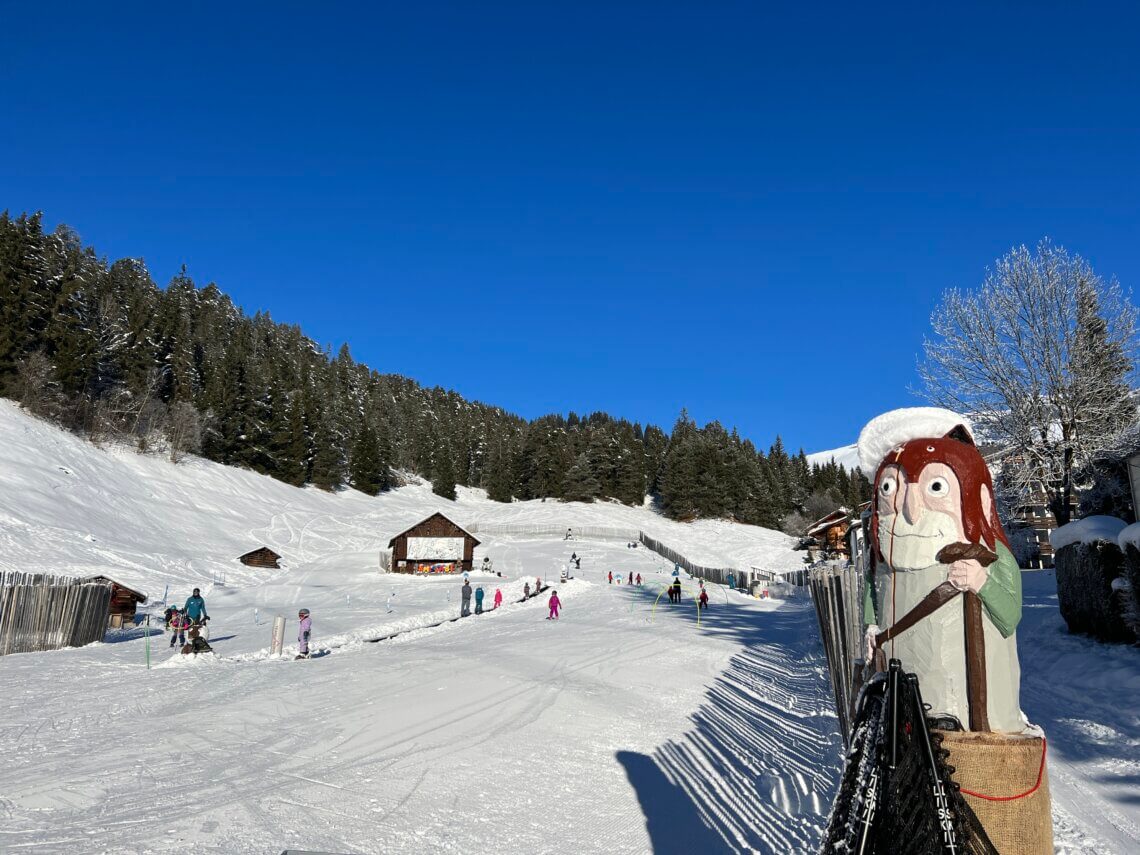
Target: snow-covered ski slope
{"type": "Point", "coordinates": [623, 727]}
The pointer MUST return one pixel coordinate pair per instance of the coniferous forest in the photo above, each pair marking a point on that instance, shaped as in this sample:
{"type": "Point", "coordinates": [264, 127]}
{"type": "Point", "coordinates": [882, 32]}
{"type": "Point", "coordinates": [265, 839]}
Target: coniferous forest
{"type": "Point", "coordinates": [98, 347]}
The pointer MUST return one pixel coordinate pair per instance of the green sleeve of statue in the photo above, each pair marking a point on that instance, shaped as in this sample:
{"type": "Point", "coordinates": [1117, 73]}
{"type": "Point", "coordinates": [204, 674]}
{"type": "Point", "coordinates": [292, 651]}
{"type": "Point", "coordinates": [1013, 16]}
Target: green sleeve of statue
{"type": "Point", "coordinates": [1001, 595]}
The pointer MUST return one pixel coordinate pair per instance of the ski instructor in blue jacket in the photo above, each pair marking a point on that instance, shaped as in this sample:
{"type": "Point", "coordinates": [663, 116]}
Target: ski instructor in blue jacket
{"type": "Point", "coordinates": [195, 608]}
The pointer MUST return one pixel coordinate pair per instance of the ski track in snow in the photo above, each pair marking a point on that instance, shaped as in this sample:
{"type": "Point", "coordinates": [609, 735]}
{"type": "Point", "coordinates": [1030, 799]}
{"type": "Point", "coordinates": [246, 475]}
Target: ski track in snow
{"type": "Point", "coordinates": [621, 728]}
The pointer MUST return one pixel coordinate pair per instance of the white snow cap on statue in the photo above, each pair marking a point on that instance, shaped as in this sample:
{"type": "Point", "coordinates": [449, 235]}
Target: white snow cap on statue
{"type": "Point", "coordinates": [890, 430]}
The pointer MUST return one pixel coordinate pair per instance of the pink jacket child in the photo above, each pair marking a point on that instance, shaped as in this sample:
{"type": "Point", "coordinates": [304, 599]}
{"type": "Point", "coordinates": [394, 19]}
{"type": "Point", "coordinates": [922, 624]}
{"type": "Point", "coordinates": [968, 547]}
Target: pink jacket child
{"type": "Point", "coordinates": [498, 597]}
{"type": "Point", "coordinates": [303, 632]}
{"type": "Point", "coordinates": [555, 605]}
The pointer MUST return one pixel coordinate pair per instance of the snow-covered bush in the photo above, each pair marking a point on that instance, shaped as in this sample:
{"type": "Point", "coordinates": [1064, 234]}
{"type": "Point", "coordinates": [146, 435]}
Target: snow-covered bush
{"type": "Point", "coordinates": [1088, 560]}
{"type": "Point", "coordinates": [1129, 543]}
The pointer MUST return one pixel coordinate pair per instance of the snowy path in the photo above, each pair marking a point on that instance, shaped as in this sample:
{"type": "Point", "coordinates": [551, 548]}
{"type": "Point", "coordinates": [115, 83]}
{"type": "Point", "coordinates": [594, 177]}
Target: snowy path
{"type": "Point", "coordinates": [607, 731]}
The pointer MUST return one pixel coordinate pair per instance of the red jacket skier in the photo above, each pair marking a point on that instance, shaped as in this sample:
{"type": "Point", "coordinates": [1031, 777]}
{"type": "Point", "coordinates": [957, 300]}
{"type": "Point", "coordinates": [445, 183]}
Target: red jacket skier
{"type": "Point", "coordinates": [555, 604]}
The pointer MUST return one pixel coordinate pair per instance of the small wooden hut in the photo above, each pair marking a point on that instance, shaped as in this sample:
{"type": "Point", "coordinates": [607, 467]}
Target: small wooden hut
{"type": "Point", "coordinates": [433, 545]}
{"type": "Point", "coordinates": [831, 532]}
{"type": "Point", "coordinates": [261, 557]}
{"type": "Point", "coordinates": [124, 602]}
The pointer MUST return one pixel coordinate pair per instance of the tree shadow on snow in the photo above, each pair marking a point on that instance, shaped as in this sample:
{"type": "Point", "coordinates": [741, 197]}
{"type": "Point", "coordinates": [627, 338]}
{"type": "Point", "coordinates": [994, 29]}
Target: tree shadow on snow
{"type": "Point", "coordinates": [758, 769]}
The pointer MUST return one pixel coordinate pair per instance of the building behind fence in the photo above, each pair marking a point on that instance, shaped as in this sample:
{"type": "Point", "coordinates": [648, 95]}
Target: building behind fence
{"type": "Point", "coordinates": [43, 612]}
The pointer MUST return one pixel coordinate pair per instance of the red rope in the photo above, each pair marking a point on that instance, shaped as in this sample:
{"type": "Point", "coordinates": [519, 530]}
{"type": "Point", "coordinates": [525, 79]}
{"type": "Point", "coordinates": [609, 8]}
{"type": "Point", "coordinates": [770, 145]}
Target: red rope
{"type": "Point", "coordinates": [1029, 792]}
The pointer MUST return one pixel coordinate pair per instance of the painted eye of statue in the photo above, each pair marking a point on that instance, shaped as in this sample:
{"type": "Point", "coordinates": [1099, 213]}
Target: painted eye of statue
{"type": "Point", "coordinates": [938, 487]}
{"type": "Point", "coordinates": [887, 486]}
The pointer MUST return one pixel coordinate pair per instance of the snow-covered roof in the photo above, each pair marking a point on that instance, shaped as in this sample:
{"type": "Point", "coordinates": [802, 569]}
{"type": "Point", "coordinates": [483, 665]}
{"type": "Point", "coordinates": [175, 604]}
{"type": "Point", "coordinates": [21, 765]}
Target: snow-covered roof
{"type": "Point", "coordinates": [1089, 530]}
{"type": "Point", "coordinates": [835, 518]}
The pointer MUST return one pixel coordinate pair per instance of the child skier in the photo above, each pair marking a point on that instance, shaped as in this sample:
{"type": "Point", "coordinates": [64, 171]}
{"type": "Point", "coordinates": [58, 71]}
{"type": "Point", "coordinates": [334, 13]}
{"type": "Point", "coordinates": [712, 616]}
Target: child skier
{"type": "Point", "coordinates": [498, 597]}
{"type": "Point", "coordinates": [303, 632]}
{"type": "Point", "coordinates": [179, 623]}
{"type": "Point", "coordinates": [630, 577]}
{"type": "Point", "coordinates": [479, 600]}
{"type": "Point", "coordinates": [639, 580]}
{"type": "Point", "coordinates": [555, 604]}
{"type": "Point", "coordinates": [704, 599]}
{"type": "Point", "coordinates": [526, 590]}
{"type": "Point", "coordinates": [611, 577]}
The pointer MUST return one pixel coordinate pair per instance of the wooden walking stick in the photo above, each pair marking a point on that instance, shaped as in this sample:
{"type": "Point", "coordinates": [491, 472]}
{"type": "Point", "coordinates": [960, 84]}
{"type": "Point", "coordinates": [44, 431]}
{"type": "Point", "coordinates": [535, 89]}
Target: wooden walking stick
{"type": "Point", "coordinates": [975, 633]}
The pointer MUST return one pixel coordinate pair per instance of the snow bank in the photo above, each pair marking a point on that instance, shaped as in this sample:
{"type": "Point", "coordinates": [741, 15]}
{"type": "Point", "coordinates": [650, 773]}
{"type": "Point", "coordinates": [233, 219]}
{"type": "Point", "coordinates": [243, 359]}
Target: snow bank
{"type": "Point", "coordinates": [1089, 530]}
{"type": "Point", "coordinates": [1129, 536]}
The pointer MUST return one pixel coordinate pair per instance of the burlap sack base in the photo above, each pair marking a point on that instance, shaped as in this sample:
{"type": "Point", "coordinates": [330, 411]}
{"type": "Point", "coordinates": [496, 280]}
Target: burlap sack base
{"type": "Point", "coordinates": [1005, 765]}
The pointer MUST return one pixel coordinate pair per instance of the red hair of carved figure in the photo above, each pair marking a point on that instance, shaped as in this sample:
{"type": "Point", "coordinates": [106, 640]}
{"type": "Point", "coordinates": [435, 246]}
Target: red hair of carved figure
{"type": "Point", "coordinates": [972, 473]}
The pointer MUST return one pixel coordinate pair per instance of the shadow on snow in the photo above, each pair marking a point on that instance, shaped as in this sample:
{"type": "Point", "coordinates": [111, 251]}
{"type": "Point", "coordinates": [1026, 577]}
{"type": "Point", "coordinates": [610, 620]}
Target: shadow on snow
{"type": "Point", "coordinates": [758, 769]}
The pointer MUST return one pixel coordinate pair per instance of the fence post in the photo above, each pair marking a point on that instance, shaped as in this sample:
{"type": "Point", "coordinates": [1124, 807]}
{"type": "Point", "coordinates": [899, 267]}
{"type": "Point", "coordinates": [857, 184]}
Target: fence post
{"type": "Point", "coordinates": [278, 635]}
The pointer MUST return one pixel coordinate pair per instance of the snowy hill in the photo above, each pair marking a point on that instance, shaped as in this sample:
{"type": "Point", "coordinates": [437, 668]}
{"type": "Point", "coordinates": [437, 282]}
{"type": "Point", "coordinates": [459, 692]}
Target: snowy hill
{"type": "Point", "coordinates": [847, 457]}
{"type": "Point", "coordinates": [73, 508]}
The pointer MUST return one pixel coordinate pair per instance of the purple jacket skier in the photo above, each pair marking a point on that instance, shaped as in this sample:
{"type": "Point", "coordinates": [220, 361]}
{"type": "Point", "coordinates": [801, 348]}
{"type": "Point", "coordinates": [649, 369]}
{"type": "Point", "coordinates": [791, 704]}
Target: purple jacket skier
{"type": "Point", "coordinates": [303, 631]}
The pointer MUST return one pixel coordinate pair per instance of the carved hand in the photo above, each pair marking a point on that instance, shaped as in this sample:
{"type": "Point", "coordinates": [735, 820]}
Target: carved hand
{"type": "Point", "coordinates": [968, 575]}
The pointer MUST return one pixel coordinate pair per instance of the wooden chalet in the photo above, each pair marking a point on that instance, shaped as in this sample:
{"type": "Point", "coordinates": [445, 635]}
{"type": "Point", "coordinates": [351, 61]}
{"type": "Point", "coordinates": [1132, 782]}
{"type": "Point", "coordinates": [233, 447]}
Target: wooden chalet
{"type": "Point", "coordinates": [433, 545]}
{"type": "Point", "coordinates": [124, 602]}
{"type": "Point", "coordinates": [261, 557]}
{"type": "Point", "coordinates": [831, 532]}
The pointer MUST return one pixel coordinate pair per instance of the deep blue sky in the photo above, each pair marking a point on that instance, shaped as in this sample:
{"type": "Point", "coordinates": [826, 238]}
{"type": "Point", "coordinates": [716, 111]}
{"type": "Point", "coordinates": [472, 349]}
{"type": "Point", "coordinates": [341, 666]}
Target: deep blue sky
{"type": "Point", "coordinates": [620, 207]}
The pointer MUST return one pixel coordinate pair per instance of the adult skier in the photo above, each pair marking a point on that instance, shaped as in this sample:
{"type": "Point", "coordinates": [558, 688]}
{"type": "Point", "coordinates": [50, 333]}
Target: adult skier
{"type": "Point", "coordinates": [465, 609]}
{"type": "Point", "coordinates": [555, 604]}
{"type": "Point", "coordinates": [676, 590]}
{"type": "Point", "coordinates": [630, 577]}
{"type": "Point", "coordinates": [479, 600]}
{"type": "Point", "coordinates": [304, 630]}
{"type": "Point", "coordinates": [195, 608]}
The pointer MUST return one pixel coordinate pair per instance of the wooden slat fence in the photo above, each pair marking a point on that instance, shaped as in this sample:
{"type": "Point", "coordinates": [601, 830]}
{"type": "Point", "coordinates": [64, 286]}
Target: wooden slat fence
{"type": "Point", "coordinates": [39, 611]}
{"type": "Point", "coordinates": [710, 574]}
{"type": "Point", "coordinates": [838, 596]}
{"type": "Point", "coordinates": [594, 532]}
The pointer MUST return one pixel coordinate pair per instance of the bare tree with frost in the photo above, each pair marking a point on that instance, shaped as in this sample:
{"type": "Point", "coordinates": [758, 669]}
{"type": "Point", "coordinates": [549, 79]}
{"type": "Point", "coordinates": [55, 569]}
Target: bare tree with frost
{"type": "Point", "coordinates": [1042, 356]}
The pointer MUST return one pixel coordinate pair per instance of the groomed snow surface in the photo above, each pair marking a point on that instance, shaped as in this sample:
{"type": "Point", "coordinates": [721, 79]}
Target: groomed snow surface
{"type": "Point", "coordinates": [623, 727]}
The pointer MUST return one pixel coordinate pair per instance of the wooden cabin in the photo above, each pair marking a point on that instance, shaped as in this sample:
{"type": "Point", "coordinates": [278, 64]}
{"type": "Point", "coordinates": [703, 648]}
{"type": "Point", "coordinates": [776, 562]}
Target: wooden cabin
{"type": "Point", "coordinates": [124, 602]}
{"type": "Point", "coordinates": [262, 557]}
{"type": "Point", "coordinates": [831, 532]}
{"type": "Point", "coordinates": [434, 545]}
